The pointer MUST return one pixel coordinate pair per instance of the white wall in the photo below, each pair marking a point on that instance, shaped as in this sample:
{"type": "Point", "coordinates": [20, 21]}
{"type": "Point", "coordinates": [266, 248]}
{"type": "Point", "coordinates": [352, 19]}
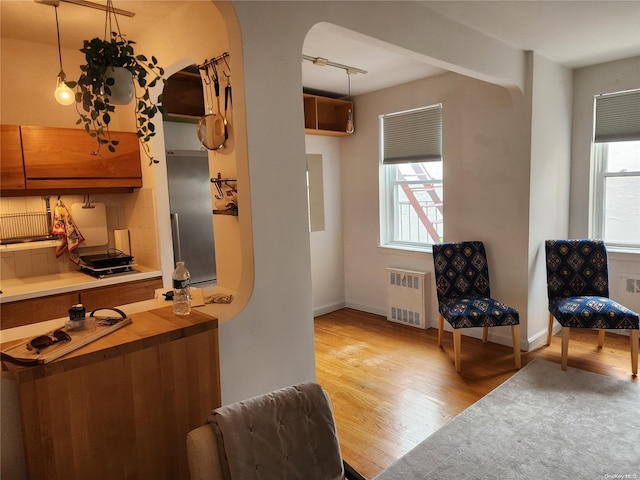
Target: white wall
{"type": "Point", "coordinates": [551, 93]}
{"type": "Point", "coordinates": [181, 136]}
{"type": "Point", "coordinates": [327, 246]}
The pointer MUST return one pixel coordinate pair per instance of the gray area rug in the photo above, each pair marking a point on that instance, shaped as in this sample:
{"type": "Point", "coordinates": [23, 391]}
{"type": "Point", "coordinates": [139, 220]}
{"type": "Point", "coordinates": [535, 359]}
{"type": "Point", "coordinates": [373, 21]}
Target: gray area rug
{"type": "Point", "coordinates": [542, 423]}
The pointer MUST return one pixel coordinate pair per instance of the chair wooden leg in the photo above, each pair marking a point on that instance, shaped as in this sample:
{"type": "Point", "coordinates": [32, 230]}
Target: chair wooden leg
{"type": "Point", "coordinates": [565, 347]}
{"type": "Point", "coordinates": [485, 334]}
{"type": "Point", "coordinates": [633, 338]}
{"type": "Point", "coordinates": [601, 334]}
{"type": "Point", "coordinates": [440, 329]}
{"type": "Point", "coordinates": [457, 336]}
{"type": "Point", "coordinates": [550, 330]}
{"type": "Point", "coordinates": [515, 334]}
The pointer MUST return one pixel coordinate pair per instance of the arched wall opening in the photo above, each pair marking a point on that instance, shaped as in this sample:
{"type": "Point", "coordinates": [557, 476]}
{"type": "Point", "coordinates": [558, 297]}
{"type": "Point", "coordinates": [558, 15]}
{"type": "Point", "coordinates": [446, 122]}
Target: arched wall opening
{"type": "Point", "coordinates": [203, 35]}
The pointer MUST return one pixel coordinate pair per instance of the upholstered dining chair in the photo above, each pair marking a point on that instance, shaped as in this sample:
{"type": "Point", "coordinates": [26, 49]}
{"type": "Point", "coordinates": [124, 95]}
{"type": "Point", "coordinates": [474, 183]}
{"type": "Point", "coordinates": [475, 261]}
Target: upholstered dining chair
{"type": "Point", "coordinates": [289, 433]}
{"type": "Point", "coordinates": [578, 290]}
{"type": "Point", "coordinates": [464, 297]}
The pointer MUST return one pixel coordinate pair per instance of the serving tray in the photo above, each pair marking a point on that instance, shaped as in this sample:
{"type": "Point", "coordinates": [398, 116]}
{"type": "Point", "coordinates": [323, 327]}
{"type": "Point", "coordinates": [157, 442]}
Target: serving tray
{"type": "Point", "coordinates": [21, 355]}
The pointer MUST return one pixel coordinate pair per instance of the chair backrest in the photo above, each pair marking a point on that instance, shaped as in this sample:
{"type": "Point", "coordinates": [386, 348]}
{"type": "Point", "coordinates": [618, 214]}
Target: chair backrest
{"type": "Point", "coordinates": [288, 433]}
{"type": "Point", "coordinates": [461, 270]}
{"type": "Point", "coordinates": [576, 268]}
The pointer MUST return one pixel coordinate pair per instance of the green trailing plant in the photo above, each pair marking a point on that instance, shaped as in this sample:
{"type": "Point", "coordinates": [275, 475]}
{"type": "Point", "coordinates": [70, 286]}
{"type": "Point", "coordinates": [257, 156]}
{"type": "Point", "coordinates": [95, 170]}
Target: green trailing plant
{"type": "Point", "coordinates": [94, 87]}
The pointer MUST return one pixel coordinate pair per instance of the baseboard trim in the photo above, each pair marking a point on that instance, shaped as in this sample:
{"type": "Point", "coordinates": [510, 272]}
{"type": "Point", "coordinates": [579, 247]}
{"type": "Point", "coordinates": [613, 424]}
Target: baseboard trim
{"type": "Point", "coordinates": [365, 308]}
{"type": "Point", "coordinates": [328, 309]}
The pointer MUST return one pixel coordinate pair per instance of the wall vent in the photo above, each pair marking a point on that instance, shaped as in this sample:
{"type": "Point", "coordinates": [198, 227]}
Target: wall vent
{"type": "Point", "coordinates": [406, 297]}
{"type": "Point", "coordinates": [629, 291]}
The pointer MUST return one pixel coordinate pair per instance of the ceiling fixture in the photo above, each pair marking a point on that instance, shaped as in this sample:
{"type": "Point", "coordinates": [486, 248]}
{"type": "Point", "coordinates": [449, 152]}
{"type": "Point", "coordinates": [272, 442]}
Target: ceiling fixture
{"type": "Point", "coordinates": [320, 61]}
{"type": "Point", "coordinates": [63, 94]}
{"type": "Point", "coordinates": [349, 128]}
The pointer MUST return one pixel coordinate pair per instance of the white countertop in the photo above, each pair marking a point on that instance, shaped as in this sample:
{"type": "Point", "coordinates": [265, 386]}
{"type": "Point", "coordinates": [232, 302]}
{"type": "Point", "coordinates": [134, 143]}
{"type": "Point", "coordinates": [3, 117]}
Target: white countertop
{"type": "Point", "coordinates": [15, 289]}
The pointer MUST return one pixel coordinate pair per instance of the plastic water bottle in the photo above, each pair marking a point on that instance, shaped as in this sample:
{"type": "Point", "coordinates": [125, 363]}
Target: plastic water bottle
{"type": "Point", "coordinates": [181, 290]}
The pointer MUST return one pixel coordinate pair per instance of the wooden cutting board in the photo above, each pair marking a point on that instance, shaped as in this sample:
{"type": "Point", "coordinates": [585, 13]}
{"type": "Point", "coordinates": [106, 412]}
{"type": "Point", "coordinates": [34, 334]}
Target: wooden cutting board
{"type": "Point", "coordinates": [92, 223]}
{"type": "Point", "coordinates": [79, 338]}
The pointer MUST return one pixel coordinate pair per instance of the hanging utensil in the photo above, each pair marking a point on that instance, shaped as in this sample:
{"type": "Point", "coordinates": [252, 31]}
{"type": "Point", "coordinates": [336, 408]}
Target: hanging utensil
{"type": "Point", "coordinates": [228, 127]}
{"type": "Point", "coordinates": [207, 124]}
{"type": "Point", "coordinates": [219, 122]}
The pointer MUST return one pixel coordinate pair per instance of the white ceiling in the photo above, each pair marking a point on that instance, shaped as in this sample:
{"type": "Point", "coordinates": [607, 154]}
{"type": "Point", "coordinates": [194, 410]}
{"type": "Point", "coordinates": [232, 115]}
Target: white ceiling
{"type": "Point", "coordinates": [573, 33]}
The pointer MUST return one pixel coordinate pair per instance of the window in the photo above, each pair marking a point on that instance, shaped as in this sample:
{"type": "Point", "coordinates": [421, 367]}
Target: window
{"type": "Point", "coordinates": [615, 209]}
{"type": "Point", "coordinates": [412, 177]}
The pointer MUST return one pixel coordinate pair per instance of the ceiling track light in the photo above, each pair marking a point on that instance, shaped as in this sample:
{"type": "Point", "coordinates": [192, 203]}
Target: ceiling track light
{"type": "Point", "coordinates": [320, 61]}
{"type": "Point", "coordinates": [85, 3]}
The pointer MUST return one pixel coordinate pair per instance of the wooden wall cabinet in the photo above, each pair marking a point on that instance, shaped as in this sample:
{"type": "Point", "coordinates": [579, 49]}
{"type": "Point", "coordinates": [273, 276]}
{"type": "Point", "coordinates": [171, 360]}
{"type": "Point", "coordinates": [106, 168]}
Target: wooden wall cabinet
{"type": "Point", "coordinates": [325, 116]}
{"type": "Point", "coordinates": [11, 166]}
{"type": "Point", "coordinates": [64, 160]}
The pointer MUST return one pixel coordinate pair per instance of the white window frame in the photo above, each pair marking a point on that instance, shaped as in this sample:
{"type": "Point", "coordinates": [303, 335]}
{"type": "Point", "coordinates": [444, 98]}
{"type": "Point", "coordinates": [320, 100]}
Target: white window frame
{"type": "Point", "coordinates": [616, 119]}
{"type": "Point", "coordinates": [388, 191]}
{"type": "Point", "coordinates": [600, 173]}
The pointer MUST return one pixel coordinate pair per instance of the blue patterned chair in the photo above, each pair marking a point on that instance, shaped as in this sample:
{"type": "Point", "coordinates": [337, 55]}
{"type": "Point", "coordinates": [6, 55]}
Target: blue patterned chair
{"type": "Point", "coordinates": [578, 289]}
{"type": "Point", "coordinates": [464, 298]}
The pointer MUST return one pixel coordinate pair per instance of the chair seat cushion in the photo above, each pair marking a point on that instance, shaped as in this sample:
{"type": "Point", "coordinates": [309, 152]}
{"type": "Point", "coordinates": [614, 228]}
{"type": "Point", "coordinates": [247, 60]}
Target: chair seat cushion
{"type": "Point", "coordinates": [466, 312]}
{"type": "Point", "coordinates": [592, 312]}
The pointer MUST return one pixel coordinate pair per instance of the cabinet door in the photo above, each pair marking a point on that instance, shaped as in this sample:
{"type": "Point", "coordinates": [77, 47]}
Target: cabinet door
{"type": "Point", "coordinates": [66, 157]}
{"type": "Point", "coordinates": [11, 167]}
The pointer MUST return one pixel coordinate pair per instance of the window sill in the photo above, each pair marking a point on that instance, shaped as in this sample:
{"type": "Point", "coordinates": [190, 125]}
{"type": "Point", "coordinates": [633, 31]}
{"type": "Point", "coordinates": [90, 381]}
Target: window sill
{"type": "Point", "coordinates": [623, 251]}
{"type": "Point", "coordinates": [403, 249]}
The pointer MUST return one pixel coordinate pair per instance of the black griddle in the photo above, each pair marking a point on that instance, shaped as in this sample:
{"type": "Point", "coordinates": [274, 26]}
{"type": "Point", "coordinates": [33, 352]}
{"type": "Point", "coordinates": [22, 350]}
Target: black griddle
{"type": "Point", "coordinates": [106, 260]}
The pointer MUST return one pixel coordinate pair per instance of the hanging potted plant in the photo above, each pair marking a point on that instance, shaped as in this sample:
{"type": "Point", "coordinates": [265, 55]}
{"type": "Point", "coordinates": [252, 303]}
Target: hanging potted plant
{"type": "Point", "coordinates": [111, 64]}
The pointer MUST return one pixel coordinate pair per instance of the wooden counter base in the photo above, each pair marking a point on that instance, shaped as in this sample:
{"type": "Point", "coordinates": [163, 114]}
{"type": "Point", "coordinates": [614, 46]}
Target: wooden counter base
{"type": "Point", "coordinates": [121, 406]}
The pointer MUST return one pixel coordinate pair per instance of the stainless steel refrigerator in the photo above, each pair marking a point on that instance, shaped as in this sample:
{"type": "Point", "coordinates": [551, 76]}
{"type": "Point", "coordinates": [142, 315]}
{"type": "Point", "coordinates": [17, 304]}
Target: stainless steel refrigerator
{"type": "Point", "coordinates": [191, 217]}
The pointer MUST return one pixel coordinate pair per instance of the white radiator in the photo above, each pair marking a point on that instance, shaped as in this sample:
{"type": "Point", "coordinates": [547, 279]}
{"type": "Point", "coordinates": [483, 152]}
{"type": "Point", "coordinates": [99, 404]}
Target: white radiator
{"type": "Point", "coordinates": [406, 297]}
{"type": "Point", "coordinates": [629, 291]}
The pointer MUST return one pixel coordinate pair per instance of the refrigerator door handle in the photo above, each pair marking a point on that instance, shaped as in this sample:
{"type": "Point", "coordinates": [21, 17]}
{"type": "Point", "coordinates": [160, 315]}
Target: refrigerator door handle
{"type": "Point", "coordinates": [175, 231]}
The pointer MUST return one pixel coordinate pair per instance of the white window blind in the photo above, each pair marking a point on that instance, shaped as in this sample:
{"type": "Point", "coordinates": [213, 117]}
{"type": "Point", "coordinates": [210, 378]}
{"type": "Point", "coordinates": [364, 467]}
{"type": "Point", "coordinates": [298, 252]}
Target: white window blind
{"type": "Point", "coordinates": [413, 136]}
{"type": "Point", "coordinates": [617, 117]}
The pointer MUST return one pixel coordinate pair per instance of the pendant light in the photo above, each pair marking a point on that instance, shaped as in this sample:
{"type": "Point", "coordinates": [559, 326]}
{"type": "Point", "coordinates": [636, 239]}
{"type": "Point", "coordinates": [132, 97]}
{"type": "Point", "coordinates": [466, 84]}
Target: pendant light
{"type": "Point", "coordinates": [63, 94]}
{"type": "Point", "coordinates": [349, 128]}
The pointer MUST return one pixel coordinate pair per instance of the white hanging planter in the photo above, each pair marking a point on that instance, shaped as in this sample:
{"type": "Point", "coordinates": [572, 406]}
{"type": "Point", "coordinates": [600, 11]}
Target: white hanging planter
{"type": "Point", "coordinates": [122, 91]}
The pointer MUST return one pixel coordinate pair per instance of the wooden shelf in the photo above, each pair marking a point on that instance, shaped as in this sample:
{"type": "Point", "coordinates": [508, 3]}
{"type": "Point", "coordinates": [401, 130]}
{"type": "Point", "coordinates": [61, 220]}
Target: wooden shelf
{"type": "Point", "coordinates": [325, 116]}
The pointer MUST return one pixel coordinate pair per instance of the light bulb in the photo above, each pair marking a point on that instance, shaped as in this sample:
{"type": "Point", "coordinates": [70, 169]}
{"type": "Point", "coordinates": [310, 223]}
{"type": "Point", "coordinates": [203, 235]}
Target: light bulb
{"type": "Point", "coordinates": [350, 122]}
{"type": "Point", "coordinates": [64, 95]}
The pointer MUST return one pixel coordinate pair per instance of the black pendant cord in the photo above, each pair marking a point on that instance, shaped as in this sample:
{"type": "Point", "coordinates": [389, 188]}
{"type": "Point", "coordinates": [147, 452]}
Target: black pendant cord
{"type": "Point", "coordinates": [58, 31]}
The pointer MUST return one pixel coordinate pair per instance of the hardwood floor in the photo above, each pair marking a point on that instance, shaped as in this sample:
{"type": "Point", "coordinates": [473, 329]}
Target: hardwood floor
{"type": "Point", "coordinates": [391, 386]}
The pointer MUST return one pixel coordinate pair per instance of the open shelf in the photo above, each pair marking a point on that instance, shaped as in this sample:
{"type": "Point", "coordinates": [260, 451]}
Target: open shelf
{"type": "Point", "coordinates": [325, 116]}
